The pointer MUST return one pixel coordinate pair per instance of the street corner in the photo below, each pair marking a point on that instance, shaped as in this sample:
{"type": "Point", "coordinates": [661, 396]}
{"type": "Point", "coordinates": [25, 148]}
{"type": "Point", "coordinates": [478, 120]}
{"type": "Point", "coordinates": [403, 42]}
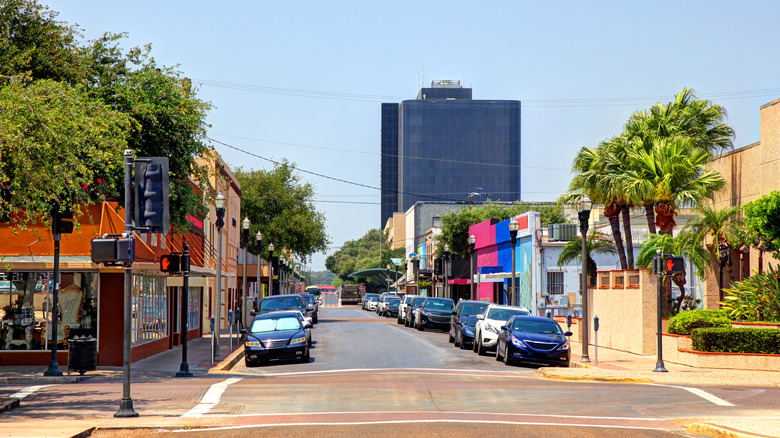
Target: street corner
{"type": "Point", "coordinates": [585, 373]}
{"type": "Point", "coordinates": [6, 404]}
{"type": "Point", "coordinates": [716, 431]}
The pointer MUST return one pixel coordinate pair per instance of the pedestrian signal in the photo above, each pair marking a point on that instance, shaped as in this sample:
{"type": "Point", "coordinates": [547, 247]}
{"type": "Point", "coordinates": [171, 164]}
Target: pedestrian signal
{"type": "Point", "coordinates": [170, 263]}
{"type": "Point", "coordinates": [675, 265]}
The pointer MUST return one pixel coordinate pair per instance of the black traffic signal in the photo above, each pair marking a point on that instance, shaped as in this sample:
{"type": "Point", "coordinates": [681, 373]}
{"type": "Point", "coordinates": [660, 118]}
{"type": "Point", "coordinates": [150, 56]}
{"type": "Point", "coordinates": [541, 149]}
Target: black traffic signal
{"type": "Point", "coordinates": [170, 263]}
{"type": "Point", "coordinates": [62, 220]}
{"type": "Point", "coordinates": [674, 265]}
{"type": "Point", "coordinates": [113, 249]}
{"type": "Point", "coordinates": [151, 194]}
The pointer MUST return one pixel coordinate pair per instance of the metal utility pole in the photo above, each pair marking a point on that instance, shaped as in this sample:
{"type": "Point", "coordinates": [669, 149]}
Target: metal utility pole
{"type": "Point", "coordinates": [184, 368]}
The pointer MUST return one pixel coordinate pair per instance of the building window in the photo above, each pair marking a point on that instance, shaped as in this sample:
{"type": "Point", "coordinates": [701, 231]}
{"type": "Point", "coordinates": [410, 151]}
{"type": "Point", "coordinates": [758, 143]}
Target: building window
{"type": "Point", "coordinates": [555, 283]}
{"type": "Point", "coordinates": [150, 308]}
{"type": "Point", "coordinates": [436, 222]}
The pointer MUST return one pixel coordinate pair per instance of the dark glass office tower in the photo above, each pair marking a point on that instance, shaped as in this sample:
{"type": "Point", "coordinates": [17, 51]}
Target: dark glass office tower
{"type": "Point", "coordinates": [444, 145]}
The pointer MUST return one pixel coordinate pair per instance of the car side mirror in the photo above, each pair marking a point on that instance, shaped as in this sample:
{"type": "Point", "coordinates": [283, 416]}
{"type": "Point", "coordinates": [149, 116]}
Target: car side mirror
{"type": "Point", "coordinates": [568, 334]}
{"type": "Point", "coordinates": [454, 313]}
{"type": "Point", "coordinates": [310, 307]}
{"type": "Point", "coordinates": [252, 313]}
{"type": "Point", "coordinates": [244, 332]}
{"type": "Point", "coordinates": [308, 326]}
{"type": "Point", "coordinates": [503, 327]}
{"type": "Point", "coordinates": [481, 317]}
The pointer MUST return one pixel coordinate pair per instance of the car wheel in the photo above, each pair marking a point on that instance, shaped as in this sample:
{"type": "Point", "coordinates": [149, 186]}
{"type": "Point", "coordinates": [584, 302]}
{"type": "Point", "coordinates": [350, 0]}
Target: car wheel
{"type": "Point", "coordinates": [249, 363]}
{"type": "Point", "coordinates": [474, 344]}
{"type": "Point", "coordinates": [398, 321]}
{"type": "Point", "coordinates": [481, 350]}
{"type": "Point", "coordinates": [507, 360]}
{"type": "Point", "coordinates": [420, 327]}
{"type": "Point", "coordinates": [306, 357]}
{"type": "Point", "coordinates": [498, 351]}
{"type": "Point", "coordinates": [451, 338]}
{"type": "Point", "coordinates": [456, 341]}
{"type": "Point", "coordinates": [315, 319]}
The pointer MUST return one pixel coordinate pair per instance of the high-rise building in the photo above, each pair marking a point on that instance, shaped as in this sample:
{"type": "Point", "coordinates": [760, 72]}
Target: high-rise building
{"type": "Point", "coordinates": [445, 146]}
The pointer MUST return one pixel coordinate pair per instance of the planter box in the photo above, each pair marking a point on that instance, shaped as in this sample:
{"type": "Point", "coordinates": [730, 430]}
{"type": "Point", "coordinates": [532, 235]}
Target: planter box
{"type": "Point", "coordinates": [677, 349]}
{"type": "Point", "coordinates": [763, 325]}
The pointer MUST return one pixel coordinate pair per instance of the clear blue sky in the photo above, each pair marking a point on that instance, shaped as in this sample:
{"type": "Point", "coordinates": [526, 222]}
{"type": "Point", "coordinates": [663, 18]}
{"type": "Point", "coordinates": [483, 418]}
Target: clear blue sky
{"type": "Point", "coordinates": [304, 80]}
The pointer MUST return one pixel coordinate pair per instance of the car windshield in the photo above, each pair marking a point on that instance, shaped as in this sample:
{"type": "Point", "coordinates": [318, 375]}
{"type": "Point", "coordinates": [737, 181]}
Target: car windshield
{"type": "Point", "coordinates": [309, 298]}
{"type": "Point", "coordinates": [473, 308]}
{"type": "Point", "coordinates": [504, 314]}
{"type": "Point", "coordinates": [267, 325]}
{"type": "Point", "coordinates": [373, 299]}
{"type": "Point", "coordinates": [418, 301]}
{"type": "Point", "coordinates": [393, 301]}
{"type": "Point", "coordinates": [439, 304]}
{"type": "Point", "coordinates": [280, 303]}
{"type": "Point", "coordinates": [536, 326]}
{"type": "Point", "coordinates": [471, 321]}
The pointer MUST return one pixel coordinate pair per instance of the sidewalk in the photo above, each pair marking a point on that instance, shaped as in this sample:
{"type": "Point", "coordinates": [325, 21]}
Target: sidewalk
{"type": "Point", "coordinates": [622, 367]}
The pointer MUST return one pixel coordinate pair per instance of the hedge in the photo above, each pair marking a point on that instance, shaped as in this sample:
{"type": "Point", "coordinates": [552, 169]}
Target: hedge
{"type": "Point", "coordinates": [736, 340]}
{"type": "Point", "coordinates": [684, 322]}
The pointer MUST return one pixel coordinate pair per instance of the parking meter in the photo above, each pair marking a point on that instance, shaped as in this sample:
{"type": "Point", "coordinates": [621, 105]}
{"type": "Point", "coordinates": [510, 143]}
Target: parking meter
{"type": "Point", "coordinates": [211, 323]}
{"type": "Point", "coordinates": [568, 322]}
{"type": "Point", "coordinates": [596, 323]}
{"type": "Point", "coordinates": [230, 316]}
{"type": "Point", "coordinates": [549, 315]}
{"type": "Point", "coordinates": [596, 344]}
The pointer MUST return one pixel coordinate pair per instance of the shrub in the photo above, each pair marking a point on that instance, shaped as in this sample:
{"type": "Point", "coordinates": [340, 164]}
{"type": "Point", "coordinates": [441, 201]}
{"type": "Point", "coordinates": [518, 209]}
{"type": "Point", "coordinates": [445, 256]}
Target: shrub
{"type": "Point", "coordinates": [736, 340]}
{"type": "Point", "coordinates": [684, 322]}
{"type": "Point", "coordinates": [756, 298]}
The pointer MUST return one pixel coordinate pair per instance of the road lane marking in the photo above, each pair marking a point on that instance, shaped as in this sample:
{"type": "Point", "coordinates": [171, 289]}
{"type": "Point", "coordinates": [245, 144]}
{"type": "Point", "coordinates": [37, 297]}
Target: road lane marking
{"type": "Point", "coordinates": [24, 392]}
{"type": "Point", "coordinates": [496, 414]}
{"type": "Point", "coordinates": [706, 396]}
{"type": "Point", "coordinates": [211, 398]}
{"type": "Point", "coordinates": [452, 372]}
{"type": "Point", "coordinates": [491, 422]}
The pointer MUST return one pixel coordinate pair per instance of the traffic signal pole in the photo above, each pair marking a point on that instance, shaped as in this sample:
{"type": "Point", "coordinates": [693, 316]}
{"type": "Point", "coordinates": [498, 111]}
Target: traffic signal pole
{"type": "Point", "coordinates": [126, 405]}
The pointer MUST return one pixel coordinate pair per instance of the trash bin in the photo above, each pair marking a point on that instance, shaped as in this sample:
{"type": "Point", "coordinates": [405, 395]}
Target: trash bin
{"type": "Point", "coordinates": [82, 354]}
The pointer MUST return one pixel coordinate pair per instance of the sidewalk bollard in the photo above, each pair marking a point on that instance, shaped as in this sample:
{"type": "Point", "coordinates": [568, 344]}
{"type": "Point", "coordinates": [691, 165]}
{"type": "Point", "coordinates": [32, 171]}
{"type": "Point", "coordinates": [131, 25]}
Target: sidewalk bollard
{"type": "Point", "coordinates": [596, 339]}
{"type": "Point", "coordinates": [211, 324]}
{"type": "Point", "coordinates": [549, 315]}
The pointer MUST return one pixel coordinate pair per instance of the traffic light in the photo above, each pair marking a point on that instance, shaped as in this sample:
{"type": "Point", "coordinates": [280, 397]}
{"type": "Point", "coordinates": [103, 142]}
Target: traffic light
{"type": "Point", "coordinates": [170, 263]}
{"type": "Point", "coordinates": [113, 249]}
{"type": "Point", "coordinates": [674, 265]}
{"type": "Point", "coordinates": [151, 194]}
{"type": "Point", "coordinates": [62, 218]}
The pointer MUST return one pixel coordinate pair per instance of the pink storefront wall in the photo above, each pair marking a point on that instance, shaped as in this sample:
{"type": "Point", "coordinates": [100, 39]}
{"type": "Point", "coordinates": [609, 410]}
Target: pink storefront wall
{"type": "Point", "coordinates": [486, 255]}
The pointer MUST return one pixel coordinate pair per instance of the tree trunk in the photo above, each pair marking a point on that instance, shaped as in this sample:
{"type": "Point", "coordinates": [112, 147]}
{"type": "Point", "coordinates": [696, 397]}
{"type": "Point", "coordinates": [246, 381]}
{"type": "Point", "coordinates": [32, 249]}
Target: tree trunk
{"type": "Point", "coordinates": [629, 239]}
{"type": "Point", "coordinates": [650, 217]}
{"type": "Point", "coordinates": [592, 271]}
{"type": "Point", "coordinates": [679, 280]}
{"type": "Point", "coordinates": [666, 299]}
{"type": "Point", "coordinates": [664, 211]}
{"type": "Point", "coordinates": [612, 211]}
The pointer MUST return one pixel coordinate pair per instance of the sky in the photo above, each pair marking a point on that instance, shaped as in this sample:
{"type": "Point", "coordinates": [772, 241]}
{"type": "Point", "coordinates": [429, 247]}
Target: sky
{"type": "Point", "coordinates": [304, 81]}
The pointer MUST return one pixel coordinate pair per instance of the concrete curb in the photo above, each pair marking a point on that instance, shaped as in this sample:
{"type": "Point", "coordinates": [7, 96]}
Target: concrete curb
{"type": "Point", "coordinates": [719, 431]}
{"type": "Point", "coordinates": [546, 374]}
{"type": "Point", "coordinates": [42, 380]}
{"type": "Point", "coordinates": [6, 404]}
{"type": "Point", "coordinates": [229, 362]}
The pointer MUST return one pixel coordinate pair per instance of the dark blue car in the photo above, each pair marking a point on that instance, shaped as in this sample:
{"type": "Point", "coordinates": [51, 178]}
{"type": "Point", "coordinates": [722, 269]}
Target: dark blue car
{"type": "Point", "coordinates": [276, 335]}
{"type": "Point", "coordinates": [533, 339]}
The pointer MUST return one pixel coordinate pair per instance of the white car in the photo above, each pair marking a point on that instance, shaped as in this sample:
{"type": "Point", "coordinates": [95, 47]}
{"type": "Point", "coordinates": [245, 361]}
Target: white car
{"type": "Point", "coordinates": [489, 325]}
{"type": "Point", "coordinates": [380, 304]}
{"type": "Point", "coordinates": [403, 306]}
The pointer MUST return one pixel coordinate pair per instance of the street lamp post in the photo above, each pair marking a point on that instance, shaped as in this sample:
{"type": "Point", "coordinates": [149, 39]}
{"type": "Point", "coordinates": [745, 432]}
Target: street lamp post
{"type": "Point", "coordinates": [219, 202]}
{"type": "Point", "coordinates": [584, 206]}
{"type": "Point", "coordinates": [659, 364]}
{"type": "Point", "coordinates": [515, 295]}
{"type": "Point", "coordinates": [259, 293]}
{"type": "Point", "coordinates": [396, 277]}
{"type": "Point", "coordinates": [245, 224]}
{"type": "Point", "coordinates": [270, 269]}
{"type": "Point", "coordinates": [184, 367]}
{"type": "Point", "coordinates": [445, 261]}
{"type": "Point", "coordinates": [472, 245]}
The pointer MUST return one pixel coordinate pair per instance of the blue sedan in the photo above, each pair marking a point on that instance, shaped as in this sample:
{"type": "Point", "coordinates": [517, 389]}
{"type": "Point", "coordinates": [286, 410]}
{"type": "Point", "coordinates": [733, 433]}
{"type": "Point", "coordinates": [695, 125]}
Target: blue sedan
{"type": "Point", "coordinates": [533, 339]}
{"type": "Point", "coordinates": [276, 335]}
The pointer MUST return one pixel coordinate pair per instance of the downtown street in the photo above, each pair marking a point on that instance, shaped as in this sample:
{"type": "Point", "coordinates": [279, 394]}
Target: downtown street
{"type": "Point", "coordinates": [369, 376]}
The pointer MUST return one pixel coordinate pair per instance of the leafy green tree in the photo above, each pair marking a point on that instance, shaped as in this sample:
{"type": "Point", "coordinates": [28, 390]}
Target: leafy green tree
{"type": "Point", "coordinates": [281, 206]}
{"type": "Point", "coordinates": [762, 220]}
{"type": "Point", "coordinates": [363, 253]}
{"type": "Point", "coordinates": [685, 244]}
{"type": "Point", "coordinates": [455, 225]}
{"type": "Point", "coordinates": [57, 146]}
{"type": "Point", "coordinates": [596, 244]}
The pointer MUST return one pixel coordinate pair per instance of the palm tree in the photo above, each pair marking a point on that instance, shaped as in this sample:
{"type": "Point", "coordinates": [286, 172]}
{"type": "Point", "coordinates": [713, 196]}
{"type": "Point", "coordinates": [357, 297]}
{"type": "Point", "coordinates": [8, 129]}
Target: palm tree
{"type": "Point", "coordinates": [592, 180]}
{"type": "Point", "coordinates": [676, 174]}
{"type": "Point", "coordinates": [722, 227]}
{"type": "Point", "coordinates": [686, 245]}
{"type": "Point", "coordinates": [596, 244]}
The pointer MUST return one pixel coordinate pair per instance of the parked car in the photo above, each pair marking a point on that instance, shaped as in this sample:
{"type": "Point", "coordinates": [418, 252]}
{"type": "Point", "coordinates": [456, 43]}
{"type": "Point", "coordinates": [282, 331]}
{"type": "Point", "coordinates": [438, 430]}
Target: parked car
{"type": "Point", "coordinates": [380, 303]}
{"type": "Point", "coordinates": [533, 339]}
{"type": "Point", "coordinates": [314, 305]}
{"type": "Point", "coordinates": [370, 302]}
{"type": "Point", "coordinates": [434, 313]}
{"type": "Point", "coordinates": [367, 298]}
{"type": "Point", "coordinates": [275, 303]}
{"type": "Point", "coordinates": [391, 306]}
{"type": "Point", "coordinates": [464, 309]}
{"type": "Point", "coordinates": [489, 325]}
{"type": "Point", "coordinates": [464, 331]}
{"type": "Point", "coordinates": [403, 306]}
{"type": "Point", "coordinates": [275, 335]}
{"type": "Point", "coordinates": [413, 305]}
{"type": "Point", "coordinates": [304, 320]}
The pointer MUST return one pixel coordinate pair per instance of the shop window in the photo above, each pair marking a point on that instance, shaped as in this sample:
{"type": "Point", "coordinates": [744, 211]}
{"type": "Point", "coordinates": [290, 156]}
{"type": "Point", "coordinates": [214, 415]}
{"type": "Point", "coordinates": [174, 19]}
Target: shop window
{"type": "Point", "coordinates": [27, 299]}
{"type": "Point", "coordinates": [555, 283]}
{"type": "Point", "coordinates": [149, 308]}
